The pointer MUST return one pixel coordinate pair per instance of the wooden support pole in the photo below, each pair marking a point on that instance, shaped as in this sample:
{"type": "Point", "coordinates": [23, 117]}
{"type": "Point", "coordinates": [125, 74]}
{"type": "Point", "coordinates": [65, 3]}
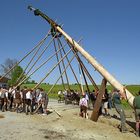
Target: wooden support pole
{"type": "Point", "coordinates": [98, 102]}
{"type": "Point", "coordinates": [61, 74]}
{"type": "Point", "coordinates": [39, 44]}
{"type": "Point", "coordinates": [63, 65]}
{"type": "Point", "coordinates": [84, 77]}
{"type": "Point", "coordinates": [89, 58]}
{"type": "Point", "coordinates": [59, 67]}
{"type": "Point", "coordinates": [71, 67]}
{"type": "Point", "coordinates": [85, 70]}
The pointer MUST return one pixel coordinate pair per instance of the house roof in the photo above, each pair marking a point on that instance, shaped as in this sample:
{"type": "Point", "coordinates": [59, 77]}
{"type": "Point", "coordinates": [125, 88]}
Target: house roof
{"type": "Point", "coordinates": [4, 80]}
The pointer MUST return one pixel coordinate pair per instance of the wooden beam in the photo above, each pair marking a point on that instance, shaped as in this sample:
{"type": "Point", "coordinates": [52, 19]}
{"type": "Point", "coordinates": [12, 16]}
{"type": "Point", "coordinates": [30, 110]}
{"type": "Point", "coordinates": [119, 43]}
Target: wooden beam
{"type": "Point", "coordinates": [89, 58]}
{"type": "Point", "coordinates": [98, 102]}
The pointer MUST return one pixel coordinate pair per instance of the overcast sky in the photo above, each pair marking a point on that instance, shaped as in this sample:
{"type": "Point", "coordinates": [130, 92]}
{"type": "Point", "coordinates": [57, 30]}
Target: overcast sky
{"type": "Point", "coordinates": [110, 31]}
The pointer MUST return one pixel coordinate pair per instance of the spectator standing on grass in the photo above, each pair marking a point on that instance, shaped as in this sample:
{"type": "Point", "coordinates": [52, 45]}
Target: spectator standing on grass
{"type": "Point", "coordinates": [116, 97]}
{"type": "Point", "coordinates": [136, 104]}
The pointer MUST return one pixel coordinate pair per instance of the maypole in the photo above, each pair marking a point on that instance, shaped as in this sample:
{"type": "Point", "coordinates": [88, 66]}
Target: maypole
{"type": "Point", "coordinates": [89, 58]}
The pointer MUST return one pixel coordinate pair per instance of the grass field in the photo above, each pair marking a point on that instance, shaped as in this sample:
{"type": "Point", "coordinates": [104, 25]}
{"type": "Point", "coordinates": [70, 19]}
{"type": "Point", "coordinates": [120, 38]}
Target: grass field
{"type": "Point", "coordinates": [132, 88]}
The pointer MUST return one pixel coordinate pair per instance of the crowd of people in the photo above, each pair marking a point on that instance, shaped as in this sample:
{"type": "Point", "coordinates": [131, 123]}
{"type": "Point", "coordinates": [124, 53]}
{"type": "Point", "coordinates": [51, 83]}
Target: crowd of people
{"type": "Point", "coordinates": [111, 100]}
{"type": "Point", "coordinates": [23, 100]}
{"type": "Point", "coordinates": [31, 101]}
{"type": "Point", "coordinates": [69, 96]}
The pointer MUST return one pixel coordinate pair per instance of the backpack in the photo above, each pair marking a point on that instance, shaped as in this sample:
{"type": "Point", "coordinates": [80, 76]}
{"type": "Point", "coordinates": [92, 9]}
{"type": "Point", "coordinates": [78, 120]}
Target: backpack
{"type": "Point", "coordinates": [17, 95]}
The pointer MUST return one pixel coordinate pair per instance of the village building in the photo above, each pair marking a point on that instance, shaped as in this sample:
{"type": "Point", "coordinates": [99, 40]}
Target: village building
{"type": "Point", "coordinates": [4, 82]}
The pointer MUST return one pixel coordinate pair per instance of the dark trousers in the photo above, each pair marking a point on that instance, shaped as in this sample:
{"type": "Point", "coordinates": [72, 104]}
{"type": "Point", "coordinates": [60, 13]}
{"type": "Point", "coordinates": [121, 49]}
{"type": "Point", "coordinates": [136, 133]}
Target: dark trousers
{"type": "Point", "coordinates": [120, 110]}
{"type": "Point", "coordinates": [11, 102]}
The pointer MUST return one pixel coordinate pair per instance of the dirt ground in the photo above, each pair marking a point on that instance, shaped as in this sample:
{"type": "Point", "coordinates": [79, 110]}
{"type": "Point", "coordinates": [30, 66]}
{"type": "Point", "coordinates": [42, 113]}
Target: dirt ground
{"type": "Point", "coordinates": [70, 126]}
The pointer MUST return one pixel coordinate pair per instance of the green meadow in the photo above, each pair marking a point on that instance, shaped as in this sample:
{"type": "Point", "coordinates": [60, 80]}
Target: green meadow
{"type": "Point", "coordinates": [132, 88]}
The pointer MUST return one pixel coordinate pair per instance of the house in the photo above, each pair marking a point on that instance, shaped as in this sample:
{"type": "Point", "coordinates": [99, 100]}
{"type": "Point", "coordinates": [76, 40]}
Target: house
{"type": "Point", "coordinates": [4, 82]}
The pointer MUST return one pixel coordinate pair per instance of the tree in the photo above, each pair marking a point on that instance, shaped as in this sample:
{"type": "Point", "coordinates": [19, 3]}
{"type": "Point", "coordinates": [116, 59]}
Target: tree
{"type": "Point", "coordinates": [30, 82]}
{"type": "Point", "coordinates": [15, 75]}
{"type": "Point", "coordinates": [7, 65]}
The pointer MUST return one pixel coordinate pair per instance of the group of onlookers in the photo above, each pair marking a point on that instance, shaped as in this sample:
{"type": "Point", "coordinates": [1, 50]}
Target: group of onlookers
{"type": "Point", "coordinates": [23, 100]}
{"type": "Point", "coordinates": [109, 100]}
{"type": "Point", "coordinates": [69, 96]}
{"type": "Point", "coordinates": [36, 101]}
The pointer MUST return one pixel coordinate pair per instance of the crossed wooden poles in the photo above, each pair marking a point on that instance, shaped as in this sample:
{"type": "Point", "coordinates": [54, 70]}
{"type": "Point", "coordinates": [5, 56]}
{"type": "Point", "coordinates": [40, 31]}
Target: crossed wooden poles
{"type": "Point", "coordinates": [75, 48]}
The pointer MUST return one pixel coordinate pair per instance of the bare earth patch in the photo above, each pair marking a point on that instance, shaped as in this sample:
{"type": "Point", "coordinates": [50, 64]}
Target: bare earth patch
{"type": "Point", "coordinates": [1, 116]}
{"type": "Point", "coordinates": [69, 127]}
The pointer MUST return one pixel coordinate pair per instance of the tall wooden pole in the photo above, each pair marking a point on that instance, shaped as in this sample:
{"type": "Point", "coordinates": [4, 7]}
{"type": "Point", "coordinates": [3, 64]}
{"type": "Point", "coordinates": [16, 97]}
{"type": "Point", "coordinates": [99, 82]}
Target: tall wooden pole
{"type": "Point", "coordinates": [59, 66]}
{"type": "Point", "coordinates": [89, 58]}
{"type": "Point", "coordinates": [98, 67]}
{"type": "Point", "coordinates": [85, 69]}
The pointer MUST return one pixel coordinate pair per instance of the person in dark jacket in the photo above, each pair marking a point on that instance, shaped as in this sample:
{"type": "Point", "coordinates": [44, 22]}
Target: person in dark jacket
{"type": "Point", "coordinates": [118, 106]}
{"type": "Point", "coordinates": [136, 104]}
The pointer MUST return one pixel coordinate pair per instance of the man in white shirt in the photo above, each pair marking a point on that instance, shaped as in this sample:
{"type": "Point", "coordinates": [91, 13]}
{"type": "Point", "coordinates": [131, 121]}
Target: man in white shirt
{"type": "Point", "coordinates": [83, 107]}
{"type": "Point", "coordinates": [28, 101]}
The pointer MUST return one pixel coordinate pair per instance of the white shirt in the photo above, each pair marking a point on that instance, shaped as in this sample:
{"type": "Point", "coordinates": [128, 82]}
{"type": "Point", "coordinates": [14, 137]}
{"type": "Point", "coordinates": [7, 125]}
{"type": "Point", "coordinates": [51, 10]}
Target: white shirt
{"type": "Point", "coordinates": [83, 102]}
{"type": "Point", "coordinates": [87, 98]}
{"type": "Point", "coordinates": [21, 94]}
{"type": "Point", "coordinates": [13, 94]}
{"type": "Point", "coordinates": [6, 94]}
{"type": "Point", "coordinates": [59, 92]}
{"type": "Point", "coordinates": [39, 97]}
{"type": "Point", "coordinates": [29, 95]}
{"type": "Point", "coordinates": [10, 89]}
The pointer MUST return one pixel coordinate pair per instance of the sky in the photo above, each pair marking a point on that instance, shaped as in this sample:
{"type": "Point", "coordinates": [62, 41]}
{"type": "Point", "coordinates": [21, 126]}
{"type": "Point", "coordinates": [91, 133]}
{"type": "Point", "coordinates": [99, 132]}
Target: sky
{"type": "Point", "coordinates": [110, 30]}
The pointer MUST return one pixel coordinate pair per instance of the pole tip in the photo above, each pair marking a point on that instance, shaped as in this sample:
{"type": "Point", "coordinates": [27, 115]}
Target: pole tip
{"type": "Point", "coordinates": [31, 8]}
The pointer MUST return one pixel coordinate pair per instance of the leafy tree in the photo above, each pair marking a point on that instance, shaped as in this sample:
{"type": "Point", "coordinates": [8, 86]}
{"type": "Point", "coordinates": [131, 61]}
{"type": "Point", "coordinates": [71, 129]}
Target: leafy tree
{"type": "Point", "coordinates": [15, 75]}
{"type": "Point", "coordinates": [30, 82]}
{"type": "Point", "coordinates": [7, 65]}
{"type": "Point", "coordinates": [33, 82]}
